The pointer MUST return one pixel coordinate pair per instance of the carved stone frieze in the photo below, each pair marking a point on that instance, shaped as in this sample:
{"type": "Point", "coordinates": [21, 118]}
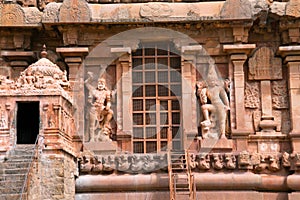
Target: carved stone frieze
{"type": "Point", "coordinates": [252, 99]}
{"type": "Point", "coordinates": [149, 163]}
{"type": "Point", "coordinates": [74, 11]}
{"type": "Point", "coordinates": [155, 10]}
{"type": "Point", "coordinates": [11, 15]}
{"type": "Point", "coordinates": [264, 66]}
{"type": "Point", "coordinates": [279, 94]}
{"type": "Point", "coordinates": [124, 163]}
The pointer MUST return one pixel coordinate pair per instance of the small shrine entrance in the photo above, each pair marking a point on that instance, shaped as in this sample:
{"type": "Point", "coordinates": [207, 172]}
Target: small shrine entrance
{"type": "Point", "coordinates": [27, 122]}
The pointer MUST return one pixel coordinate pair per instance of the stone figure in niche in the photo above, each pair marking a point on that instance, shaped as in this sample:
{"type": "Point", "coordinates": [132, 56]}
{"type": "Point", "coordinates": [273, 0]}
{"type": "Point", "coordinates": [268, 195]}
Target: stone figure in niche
{"type": "Point", "coordinates": [100, 112]}
{"type": "Point", "coordinates": [214, 104]}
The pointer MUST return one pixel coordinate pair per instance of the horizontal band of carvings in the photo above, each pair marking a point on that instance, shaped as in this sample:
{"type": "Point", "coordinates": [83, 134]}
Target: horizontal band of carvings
{"type": "Point", "coordinates": [214, 162]}
{"type": "Point", "coordinates": [84, 12]}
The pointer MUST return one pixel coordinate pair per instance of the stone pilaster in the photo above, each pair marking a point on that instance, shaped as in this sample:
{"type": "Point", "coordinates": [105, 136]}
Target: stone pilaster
{"type": "Point", "coordinates": [292, 60]}
{"type": "Point", "coordinates": [188, 104]}
{"type": "Point", "coordinates": [124, 92]}
{"type": "Point", "coordinates": [18, 61]}
{"type": "Point", "coordinates": [74, 57]}
{"type": "Point", "coordinates": [238, 56]}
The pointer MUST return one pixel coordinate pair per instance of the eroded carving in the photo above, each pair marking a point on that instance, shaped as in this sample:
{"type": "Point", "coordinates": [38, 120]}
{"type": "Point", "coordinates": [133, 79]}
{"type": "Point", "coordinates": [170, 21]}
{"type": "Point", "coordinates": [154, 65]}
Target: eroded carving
{"type": "Point", "coordinates": [50, 13]}
{"type": "Point", "coordinates": [32, 15]}
{"type": "Point", "coordinates": [3, 118]}
{"type": "Point", "coordinates": [74, 11]}
{"type": "Point", "coordinates": [12, 14]}
{"type": "Point", "coordinates": [230, 161]}
{"type": "Point", "coordinates": [100, 113]}
{"type": "Point", "coordinates": [264, 66]}
{"type": "Point", "coordinates": [123, 163]}
{"type": "Point", "coordinates": [236, 9]}
{"type": "Point", "coordinates": [244, 161]}
{"type": "Point", "coordinates": [109, 164]}
{"type": "Point", "coordinates": [252, 95]}
{"type": "Point", "coordinates": [204, 161]}
{"type": "Point", "coordinates": [280, 94]}
{"type": "Point", "coordinates": [155, 10]}
{"type": "Point", "coordinates": [274, 164]}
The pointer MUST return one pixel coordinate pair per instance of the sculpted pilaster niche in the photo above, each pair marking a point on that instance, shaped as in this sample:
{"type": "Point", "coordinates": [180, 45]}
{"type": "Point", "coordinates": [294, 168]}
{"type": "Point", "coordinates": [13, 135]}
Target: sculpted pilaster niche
{"type": "Point", "coordinates": [266, 93]}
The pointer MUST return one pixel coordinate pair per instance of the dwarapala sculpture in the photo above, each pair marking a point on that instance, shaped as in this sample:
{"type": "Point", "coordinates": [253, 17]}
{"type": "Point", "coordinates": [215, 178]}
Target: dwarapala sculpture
{"type": "Point", "coordinates": [213, 95]}
{"type": "Point", "coordinates": [100, 112]}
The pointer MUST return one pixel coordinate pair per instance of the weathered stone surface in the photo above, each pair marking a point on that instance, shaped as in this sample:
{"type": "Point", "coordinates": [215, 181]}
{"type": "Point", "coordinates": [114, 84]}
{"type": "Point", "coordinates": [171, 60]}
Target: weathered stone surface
{"type": "Point", "coordinates": [278, 8]}
{"type": "Point", "coordinates": [263, 65]}
{"type": "Point", "coordinates": [236, 9]}
{"type": "Point", "coordinates": [32, 15]}
{"type": "Point", "coordinates": [51, 12]}
{"type": "Point", "coordinates": [74, 11]}
{"type": "Point", "coordinates": [11, 15]}
{"type": "Point", "coordinates": [293, 8]}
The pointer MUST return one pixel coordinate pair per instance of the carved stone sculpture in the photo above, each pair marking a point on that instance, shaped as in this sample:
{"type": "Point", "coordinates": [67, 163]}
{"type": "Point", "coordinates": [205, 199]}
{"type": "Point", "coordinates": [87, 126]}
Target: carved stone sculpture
{"type": "Point", "coordinates": [123, 163]}
{"type": "Point", "coordinates": [109, 164]}
{"type": "Point", "coordinates": [214, 104]}
{"type": "Point", "coordinates": [100, 112]}
{"type": "Point", "coordinates": [192, 161]}
{"type": "Point", "coordinates": [85, 164]}
{"type": "Point", "coordinates": [98, 167]}
{"type": "Point", "coordinates": [149, 163]}
{"type": "Point", "coordinates": [274, 163]}
{"type": "Point", "coordinates": [137, 163]}
{"type": "Point", "coordinates": [230, 161]}
{"type": "Point", "coordinates": [204, 161]}
{"type": "Point", "coordinates": [244, 161]}
{"type": "Point", "coordinates": [217, 161]}
{"type": "Point", "coordinates": [286, 162]}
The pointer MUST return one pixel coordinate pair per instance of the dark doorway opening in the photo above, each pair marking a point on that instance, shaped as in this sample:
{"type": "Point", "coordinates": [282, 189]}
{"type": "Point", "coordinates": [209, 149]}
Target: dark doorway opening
{"type": "Point", "coordinates": [28, 115]}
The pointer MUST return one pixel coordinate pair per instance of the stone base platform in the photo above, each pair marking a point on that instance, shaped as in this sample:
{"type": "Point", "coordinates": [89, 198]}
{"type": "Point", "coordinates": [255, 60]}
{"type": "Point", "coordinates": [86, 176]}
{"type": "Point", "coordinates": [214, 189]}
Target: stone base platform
{"type": "Point", "coordinates": [215, 145]}
{"type": "Point", "coordinates": [103, 148]}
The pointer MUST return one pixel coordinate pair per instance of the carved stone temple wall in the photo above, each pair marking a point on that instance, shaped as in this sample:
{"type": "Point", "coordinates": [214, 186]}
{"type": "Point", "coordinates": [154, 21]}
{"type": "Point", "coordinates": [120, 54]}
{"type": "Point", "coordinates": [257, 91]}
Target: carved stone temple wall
{"type": "Point", "coordinates": [123, 99]}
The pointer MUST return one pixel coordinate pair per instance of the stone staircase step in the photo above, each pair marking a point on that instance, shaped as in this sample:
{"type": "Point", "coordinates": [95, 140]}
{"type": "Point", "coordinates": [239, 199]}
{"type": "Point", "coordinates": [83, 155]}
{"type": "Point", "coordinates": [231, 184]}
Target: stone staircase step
{"type": "Point", "coordinates": [11, 190]}
{"type": "Point", "coordinates": [27, 157]}
{"type": "Point", "coordinates": [12, 177]}
{"type": "Point", "coordinates": [13, 197]}
{"type": "Point", "coordinates": [18, 183]}
{"type": "Point", "coordinates": [16, 171]}
{"type": "Point", "coordinates": [15, 164]}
